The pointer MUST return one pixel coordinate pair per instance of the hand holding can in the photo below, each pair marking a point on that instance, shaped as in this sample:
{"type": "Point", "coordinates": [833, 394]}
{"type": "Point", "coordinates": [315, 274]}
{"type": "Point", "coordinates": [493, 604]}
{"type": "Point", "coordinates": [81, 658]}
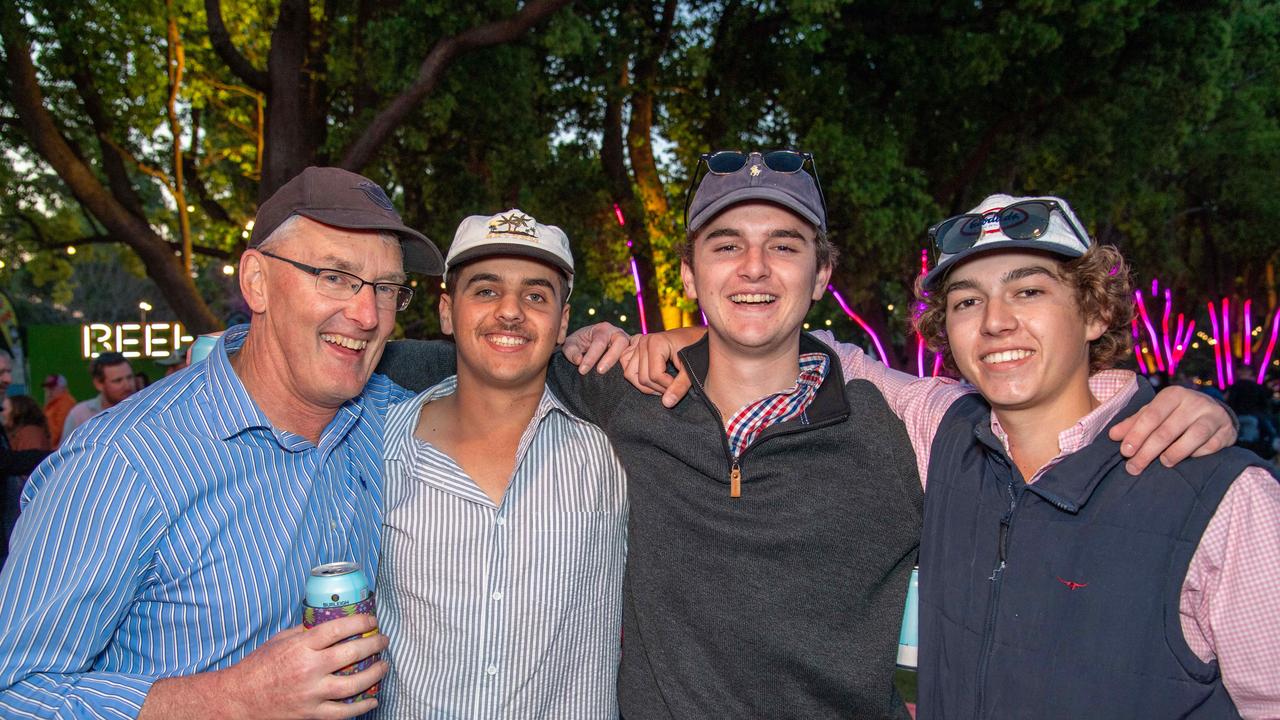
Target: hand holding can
{"type": "Point", "coordinates": [337, 590]}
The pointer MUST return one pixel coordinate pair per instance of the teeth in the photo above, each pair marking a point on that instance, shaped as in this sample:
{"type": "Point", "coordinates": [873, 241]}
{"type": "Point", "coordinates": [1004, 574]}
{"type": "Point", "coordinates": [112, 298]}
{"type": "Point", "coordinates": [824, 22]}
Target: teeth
{"type": "Point", "coordinates": [507, 340]}
{"type": "Point", "coordinates": [1006, 356]}
{"type": "Point", "coordinates": [753, 298]}
{"type": "Point", "coordinates": [344, 341]}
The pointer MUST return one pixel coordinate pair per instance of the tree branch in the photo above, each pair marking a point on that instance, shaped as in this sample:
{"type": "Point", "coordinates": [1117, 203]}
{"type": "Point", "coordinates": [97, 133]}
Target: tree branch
{"type": "Point", "coordinates": [226, 49]}
{"type": "Point", "coordinates": [362, 150]}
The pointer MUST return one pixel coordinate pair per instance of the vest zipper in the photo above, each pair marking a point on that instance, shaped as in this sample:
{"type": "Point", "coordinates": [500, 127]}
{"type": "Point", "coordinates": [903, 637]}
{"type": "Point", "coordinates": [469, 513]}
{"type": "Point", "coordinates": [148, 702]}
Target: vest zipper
{"type": "Point", "coordinates": [997, 581]}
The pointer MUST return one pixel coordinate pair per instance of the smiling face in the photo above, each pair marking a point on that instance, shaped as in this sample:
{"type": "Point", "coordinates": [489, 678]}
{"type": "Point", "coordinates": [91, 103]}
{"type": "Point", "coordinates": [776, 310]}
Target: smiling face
{"type": "Point", "coordinates": [755, 274]}
{"type": "Point", "coordinates": [507, 315]}
{"type": "Point", "coordinates": [1017, 333]}
{"type": "Point", "coordinates": [319, 350]}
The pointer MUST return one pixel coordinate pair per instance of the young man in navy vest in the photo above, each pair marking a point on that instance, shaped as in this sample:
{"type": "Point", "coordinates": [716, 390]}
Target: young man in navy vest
{"type": "Point", "coordinates": [1053, 582]}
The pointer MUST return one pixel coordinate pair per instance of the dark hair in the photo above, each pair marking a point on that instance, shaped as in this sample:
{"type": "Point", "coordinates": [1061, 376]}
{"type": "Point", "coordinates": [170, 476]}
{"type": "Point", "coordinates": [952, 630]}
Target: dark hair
{"type": "Point", "coordinates": [23, 411]}
{"type": "Point", "coordinates": [822, 245]}
{"type": "Point", "coordinates": [107, 359]}
{"type": "Point", "coordinates": [1102, 286]}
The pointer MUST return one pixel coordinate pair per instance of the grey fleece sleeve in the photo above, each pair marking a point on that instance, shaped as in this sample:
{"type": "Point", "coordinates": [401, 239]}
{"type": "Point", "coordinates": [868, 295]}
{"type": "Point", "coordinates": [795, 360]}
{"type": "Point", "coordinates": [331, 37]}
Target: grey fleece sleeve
{"type": "Point", "coordinates": [592, 397]}
{"type": "Point", "coordinates": [418, 364]}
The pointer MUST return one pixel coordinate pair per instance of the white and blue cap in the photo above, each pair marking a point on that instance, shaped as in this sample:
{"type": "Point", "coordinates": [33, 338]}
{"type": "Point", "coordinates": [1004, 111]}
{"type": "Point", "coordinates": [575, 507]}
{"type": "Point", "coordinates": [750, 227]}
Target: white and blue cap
{"type": "Point", "coordinates": [1005, 222]}
{"type": "Point", "coordinates": [511, 232]}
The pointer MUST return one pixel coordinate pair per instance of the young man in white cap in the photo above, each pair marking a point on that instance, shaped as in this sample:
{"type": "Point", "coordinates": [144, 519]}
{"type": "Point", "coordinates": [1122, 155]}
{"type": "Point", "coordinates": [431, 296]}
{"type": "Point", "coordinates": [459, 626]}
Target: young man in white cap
{"type": "Point", "coordinates": [504, 535]}
{"type": "Point", "coordinates": [1052, 581]}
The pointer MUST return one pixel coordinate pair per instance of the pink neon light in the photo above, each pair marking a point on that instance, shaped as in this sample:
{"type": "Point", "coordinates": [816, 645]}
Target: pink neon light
{"type": "Point", "coordinates": [937, 364]}
{"type": "Point", "coordinates": [862, 323]}
{"type": "Point", "coordinates": [1146, 320]}
{"type": "Point", "coordinates": [1246, 340]}
{"type": "Point", "coordinates": [1137, 345]}
{"type": "Point", "coordinates": [617, 212]}
{"type": "Point", "coordinates": [1164, 330]}
{"type": "Point", "coordinates": [1154, 284]}
{"type": "Point", "coordinates": [1271, 345]}
{"type": "Point", "coordinates": [1217, 347]}
{"type": "Point", "coordinates": [919, 356]}
{"type": "Point", "coordinates": [1179, 345]}
{"type": "Point", "coordinates": [635, 275]}
{"type": "Point", "coordinates": [1228, 357]}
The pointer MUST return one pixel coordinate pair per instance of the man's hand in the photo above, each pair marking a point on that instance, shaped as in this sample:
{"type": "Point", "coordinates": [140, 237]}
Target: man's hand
{"type": "Point", "coordinates": [645, 363]}
{"type": "Point", "coordinates": [290, 677]}
{"type": "Point", "coordinates": [600, 346]}
{"type": "Point", "coordinates": [1179, 423]}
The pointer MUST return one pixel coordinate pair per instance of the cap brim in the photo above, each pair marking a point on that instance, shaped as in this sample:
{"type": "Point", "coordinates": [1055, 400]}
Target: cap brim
{"type": "Point", "coordinates": [935, 276]}
{"type": "Point", "coordinates": [420, 254]}
{"type": "Point", "coordinates": [755, 192]}
{"type": "Point", "coordinates": [489, 249]}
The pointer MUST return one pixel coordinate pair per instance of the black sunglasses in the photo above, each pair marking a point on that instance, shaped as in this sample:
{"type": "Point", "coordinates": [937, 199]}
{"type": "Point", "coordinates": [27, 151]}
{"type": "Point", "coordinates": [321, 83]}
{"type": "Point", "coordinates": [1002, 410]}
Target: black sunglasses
{"type": "Point", "coordinates": [727, 162]}
{"type": "Point", "coordinates": [1026, 220]}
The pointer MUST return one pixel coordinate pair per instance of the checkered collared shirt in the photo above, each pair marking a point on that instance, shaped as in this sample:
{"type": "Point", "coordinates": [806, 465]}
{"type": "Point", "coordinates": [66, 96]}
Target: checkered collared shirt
{"type": "Point", "coordinates": [747, 424]}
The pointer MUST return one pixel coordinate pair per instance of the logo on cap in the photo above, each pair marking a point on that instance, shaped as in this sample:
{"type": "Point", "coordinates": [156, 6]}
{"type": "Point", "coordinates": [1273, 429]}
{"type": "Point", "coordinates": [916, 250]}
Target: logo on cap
{"type": "Point", "coordinates": [755, 171]}
{"type": "Point", "coordinates": [991, 221]}
{"type": "Point", "coordinates": [513, 223]}
{"type": "Point", "coordinates": [376, 195]}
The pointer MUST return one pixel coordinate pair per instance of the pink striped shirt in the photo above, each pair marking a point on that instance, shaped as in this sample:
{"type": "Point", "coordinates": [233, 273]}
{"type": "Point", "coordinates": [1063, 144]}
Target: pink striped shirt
{"type": "Point", "coordinates": [1230, 602]}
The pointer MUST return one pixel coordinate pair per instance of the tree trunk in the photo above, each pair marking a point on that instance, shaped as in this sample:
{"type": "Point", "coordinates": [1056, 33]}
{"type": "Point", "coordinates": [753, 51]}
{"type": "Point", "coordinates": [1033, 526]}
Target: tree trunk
{"type": "Point", "coordinates": [47, 140]}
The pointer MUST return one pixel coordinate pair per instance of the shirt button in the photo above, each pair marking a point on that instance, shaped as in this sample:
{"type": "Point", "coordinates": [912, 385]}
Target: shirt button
{"type": "Point", "coordinates": [500, 521]}
{"type": "Point", "coordinates": [497, 595]}
{"type": "Point", "coordinates": [492, 669]}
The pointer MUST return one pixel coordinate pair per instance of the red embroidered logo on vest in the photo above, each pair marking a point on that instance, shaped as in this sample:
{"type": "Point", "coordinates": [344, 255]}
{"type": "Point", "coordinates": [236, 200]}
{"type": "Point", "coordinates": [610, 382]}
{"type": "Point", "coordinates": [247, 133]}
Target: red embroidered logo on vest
{"type": "Point", "coordinates": [1072, 585]}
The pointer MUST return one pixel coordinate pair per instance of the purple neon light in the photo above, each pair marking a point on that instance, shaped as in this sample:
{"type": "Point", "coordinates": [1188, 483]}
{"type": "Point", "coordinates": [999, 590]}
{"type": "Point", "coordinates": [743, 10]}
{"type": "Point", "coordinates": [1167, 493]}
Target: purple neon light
{"type": "Point", "coordinates": [635, 275]}
{"type": "Point", "coordinates": [862, 323]}
{"type": "Point", "coordinates": [1164, 328]}
{"type": "Point", "coordinates": [1271, 345]}
{"type": "Point", "coordinates": [1146, 321]}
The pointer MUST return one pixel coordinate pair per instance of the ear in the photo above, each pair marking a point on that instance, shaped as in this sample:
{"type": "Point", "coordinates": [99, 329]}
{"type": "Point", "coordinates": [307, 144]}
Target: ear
{"type": "Point", "coordinates": [686, 276]}
{"type": "Point", "coordinates": [564, 324]}
{"type": "Point", "coordinates": [446, 314]}
{"type": "Point", "coordinates": [1095, 328]}
{"type": "Point", "coordinates": [253, 281]}
{"type": "Point", "coordinates": [99, 385]}
{"type": "Point", "coordinates": [820, 282]}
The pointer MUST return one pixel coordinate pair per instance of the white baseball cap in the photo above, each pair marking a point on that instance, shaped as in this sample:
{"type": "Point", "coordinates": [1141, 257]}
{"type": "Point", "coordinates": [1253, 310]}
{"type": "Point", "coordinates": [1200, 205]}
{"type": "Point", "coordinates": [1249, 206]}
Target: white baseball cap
{"type": "Point", "coordinates": [511, 232]}
{"type": "Point", "coordinates": [1004, 222]}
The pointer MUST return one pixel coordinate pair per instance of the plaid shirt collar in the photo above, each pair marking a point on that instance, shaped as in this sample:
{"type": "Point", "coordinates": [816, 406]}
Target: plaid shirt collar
{"type": "Point", "coordinates": [747, 424]}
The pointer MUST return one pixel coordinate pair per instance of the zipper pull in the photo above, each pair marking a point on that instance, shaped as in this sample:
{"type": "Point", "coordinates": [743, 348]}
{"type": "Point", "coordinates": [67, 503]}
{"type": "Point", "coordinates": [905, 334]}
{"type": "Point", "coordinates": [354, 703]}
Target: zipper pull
{"type": "Point", "coordinates": [735, 481]}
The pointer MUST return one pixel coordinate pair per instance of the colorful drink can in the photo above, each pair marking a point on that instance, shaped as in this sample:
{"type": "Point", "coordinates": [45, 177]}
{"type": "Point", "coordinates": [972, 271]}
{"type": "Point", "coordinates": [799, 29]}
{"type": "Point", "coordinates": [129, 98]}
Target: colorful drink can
{"type": "Point", "coordinates": [909, 637]}
{"type": "Point", "coordinates": [337, 590]}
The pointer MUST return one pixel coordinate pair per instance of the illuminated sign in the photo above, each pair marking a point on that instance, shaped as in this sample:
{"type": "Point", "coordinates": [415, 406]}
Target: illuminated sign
{"type": "Point", "coordinates": [148, 340]}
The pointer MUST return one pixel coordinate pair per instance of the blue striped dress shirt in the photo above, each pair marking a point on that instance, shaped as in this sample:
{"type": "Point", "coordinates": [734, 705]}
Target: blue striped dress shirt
{"type": "Point", "coordinates": [173, 535]}
{"type": "Point", "coordinates": [509, 610]}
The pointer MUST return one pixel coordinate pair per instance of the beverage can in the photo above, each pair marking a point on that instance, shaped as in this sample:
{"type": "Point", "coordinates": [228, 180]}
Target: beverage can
{"type": "Point", "coordinates": [336, 590]}
{"type": "Point", "coordinates": [909, 637]}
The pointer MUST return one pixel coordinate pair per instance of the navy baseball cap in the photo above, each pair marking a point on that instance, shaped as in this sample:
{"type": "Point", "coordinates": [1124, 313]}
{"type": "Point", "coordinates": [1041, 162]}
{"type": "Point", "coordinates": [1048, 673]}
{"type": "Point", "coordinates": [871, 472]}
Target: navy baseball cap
{"type": "Point", "coordinates": [755, 180]}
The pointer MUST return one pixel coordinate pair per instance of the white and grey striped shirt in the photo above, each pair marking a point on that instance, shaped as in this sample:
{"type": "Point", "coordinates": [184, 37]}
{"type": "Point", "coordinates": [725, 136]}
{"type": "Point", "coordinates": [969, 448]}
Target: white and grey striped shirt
{"type": "Point", "coordinates": [510, 610]}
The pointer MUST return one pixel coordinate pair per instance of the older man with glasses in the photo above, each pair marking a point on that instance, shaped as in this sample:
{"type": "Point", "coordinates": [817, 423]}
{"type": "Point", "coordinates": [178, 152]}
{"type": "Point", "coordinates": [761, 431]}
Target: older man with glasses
{"type": "Point", "coordinates": [160, 560]}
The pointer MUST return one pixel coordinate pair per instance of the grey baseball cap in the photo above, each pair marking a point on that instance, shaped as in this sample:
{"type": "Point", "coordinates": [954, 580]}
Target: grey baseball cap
{"type": "Point", "coordinates": [795, 191]}
{"type": "Point", "coordinates": [343, 199]}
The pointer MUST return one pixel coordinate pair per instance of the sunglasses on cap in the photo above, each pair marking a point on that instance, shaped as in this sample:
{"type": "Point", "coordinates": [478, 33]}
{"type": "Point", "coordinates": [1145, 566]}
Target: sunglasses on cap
{"type": "Point", "coordinates": [1026, 220]}
{"type": "Point", "coordinates": [728, 162]}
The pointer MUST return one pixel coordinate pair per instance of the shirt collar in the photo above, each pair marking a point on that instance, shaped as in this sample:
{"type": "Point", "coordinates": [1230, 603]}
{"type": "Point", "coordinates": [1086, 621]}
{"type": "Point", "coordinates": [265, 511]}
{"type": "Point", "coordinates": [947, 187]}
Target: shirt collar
{"type": "Point", "coordinates": [1112, 389]}
{"type": "Point", "coordinates": [235, 411]}
{"type": "Point", "coordinates": [403, 418]}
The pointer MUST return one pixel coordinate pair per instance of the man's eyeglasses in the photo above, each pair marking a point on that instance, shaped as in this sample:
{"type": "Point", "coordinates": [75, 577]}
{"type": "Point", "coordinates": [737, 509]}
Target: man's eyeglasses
{"type": "Point", "coordinates": [727, 162]}
{"type": "Point", "coordinates": [341, 285]}
{"type": "Point", "coordinates": [1026, 220]}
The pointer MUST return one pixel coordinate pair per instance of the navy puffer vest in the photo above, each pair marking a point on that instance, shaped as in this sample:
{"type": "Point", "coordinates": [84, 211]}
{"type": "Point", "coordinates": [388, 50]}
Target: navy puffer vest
{"type": "Point", "coordinates": [1060, 599]}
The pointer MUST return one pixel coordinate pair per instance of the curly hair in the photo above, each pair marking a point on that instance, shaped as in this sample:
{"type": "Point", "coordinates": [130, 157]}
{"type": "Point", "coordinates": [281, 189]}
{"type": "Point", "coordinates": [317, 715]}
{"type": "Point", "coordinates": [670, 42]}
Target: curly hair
{"type": "Point", "coordinates": [1102, 286]}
